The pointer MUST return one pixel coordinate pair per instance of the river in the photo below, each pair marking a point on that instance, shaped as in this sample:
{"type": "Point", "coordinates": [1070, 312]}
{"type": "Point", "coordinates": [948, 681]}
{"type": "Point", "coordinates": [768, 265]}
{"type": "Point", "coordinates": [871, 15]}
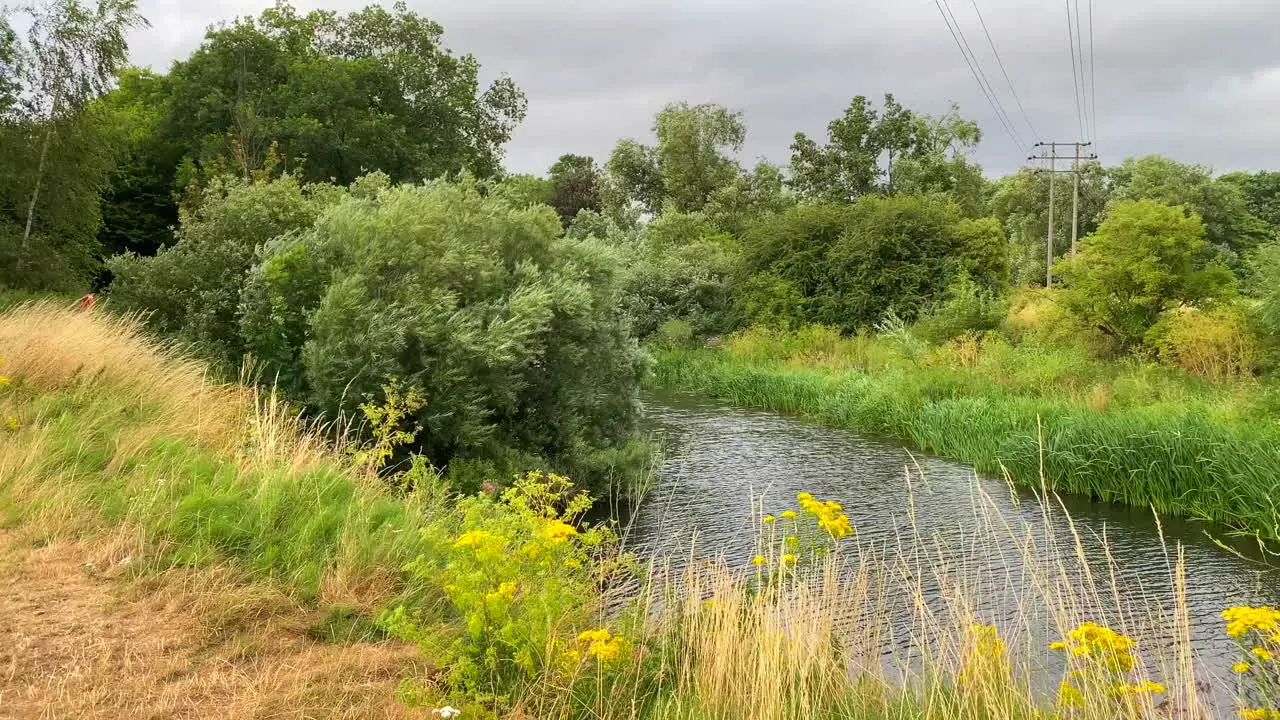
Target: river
{"type": "Point", "coordinates": [720, 460]}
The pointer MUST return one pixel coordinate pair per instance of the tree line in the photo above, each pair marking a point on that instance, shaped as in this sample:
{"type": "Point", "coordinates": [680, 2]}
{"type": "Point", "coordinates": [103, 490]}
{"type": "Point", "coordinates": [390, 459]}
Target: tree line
{"type": "Point", "coordinates": [323, 194]}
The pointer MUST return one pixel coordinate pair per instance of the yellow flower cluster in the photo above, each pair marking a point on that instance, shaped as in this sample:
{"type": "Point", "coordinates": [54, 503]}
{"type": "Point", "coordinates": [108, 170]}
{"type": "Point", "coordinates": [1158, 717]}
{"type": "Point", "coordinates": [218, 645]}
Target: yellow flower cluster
{"type": "Point", "coordinates": [1143, 688]}
{"type": "Point", "coordinates": [557, 531]}
{"type": "Point", "coordinates": [478, 539]}
{"type": "Point", "coordinates": [1259, 714]}
{"type": "Point", "coordinates": [1242, 619]}
{"type": "Point", "coordinates": [505, 591]}
{"type": "Point", "coordinates": [830, 518]}
{"type": "Point", "coordinates": [1099, 643]}
{"type": "Point", "coordinates": [601, 645]}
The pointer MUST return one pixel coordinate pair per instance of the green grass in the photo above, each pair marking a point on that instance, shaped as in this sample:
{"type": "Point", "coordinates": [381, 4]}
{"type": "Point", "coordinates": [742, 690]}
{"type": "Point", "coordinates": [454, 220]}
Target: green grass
{"type": "Point", "coordinates": [1118, 432]}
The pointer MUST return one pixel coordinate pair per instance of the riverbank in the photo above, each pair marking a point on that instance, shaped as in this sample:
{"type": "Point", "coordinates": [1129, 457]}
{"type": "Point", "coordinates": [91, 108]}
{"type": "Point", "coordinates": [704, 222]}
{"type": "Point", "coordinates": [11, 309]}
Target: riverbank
{"type": "Point", "coordinates": [211, 494]}
{"type": "Point", "coordinates": [1132, 434]}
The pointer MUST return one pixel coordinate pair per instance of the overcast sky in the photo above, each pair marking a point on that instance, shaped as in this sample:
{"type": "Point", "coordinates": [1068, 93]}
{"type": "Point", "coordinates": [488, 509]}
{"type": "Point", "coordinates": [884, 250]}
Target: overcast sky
{"type": "Point", "coordinates": [1195, 79]}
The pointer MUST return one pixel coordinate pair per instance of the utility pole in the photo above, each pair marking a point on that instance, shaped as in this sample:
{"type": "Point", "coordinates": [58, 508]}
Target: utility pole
{"type": "Point", "coordinates": [1076, 156]}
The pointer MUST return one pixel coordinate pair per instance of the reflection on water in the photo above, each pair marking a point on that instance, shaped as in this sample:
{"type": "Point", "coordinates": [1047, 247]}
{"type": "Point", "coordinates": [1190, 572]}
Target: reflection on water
{"type": "Point", "coordinates": [982, 534]}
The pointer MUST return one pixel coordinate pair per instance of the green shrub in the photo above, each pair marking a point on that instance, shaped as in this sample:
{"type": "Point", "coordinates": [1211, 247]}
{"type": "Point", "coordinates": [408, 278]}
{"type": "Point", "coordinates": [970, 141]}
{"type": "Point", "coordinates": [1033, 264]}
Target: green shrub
{"type": "Point", "coordinates": [192, 290]}
{"type": "Point", "coordinates": [1144, 259]}
{"type": "Point", "coordinates": [967, 307]}
{"type": "Point", "coordinates": [1264, 289]}
{"type": "Point", "coordinates": [682, 268]}
{"type": "Point", "coordinates": [511, 333]}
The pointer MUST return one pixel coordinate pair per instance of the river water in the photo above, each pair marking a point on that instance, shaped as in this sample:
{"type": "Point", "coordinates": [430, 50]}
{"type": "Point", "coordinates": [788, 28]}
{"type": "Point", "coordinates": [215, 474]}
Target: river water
{"type": "Point", "coordinates": [724, 466]}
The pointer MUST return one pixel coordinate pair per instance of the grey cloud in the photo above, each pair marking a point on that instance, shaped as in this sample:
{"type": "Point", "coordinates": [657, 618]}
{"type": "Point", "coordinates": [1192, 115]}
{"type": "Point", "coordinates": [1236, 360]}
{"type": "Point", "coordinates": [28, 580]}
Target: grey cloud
{"type": "Point", "coordinates": [1181, 77]}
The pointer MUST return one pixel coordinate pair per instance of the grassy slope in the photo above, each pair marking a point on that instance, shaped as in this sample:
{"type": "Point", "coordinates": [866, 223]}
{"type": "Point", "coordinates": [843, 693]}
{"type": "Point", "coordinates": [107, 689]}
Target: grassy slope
{"type": "Point", "coordinates": [1130, 434]}
{"type": "Point", "coordinates": [109, 429]}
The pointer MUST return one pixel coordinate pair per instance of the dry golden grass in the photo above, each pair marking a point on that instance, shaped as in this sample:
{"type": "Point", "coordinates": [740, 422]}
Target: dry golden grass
{"type": "Point", "coordinates": [80, 639]}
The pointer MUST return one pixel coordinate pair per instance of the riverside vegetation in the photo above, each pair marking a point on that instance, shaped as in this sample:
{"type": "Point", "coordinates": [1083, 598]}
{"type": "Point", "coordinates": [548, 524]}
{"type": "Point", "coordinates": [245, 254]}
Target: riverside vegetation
{"type": "Point", "coordinates": [440, 362]}
{"type": "Point", "coordinates": [527, 611]}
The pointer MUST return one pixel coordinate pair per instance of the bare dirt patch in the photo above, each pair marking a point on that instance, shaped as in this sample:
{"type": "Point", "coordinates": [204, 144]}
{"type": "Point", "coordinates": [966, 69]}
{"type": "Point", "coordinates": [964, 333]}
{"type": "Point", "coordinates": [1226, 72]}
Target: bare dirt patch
{"type": "Point", "coordinates": [78, 640]}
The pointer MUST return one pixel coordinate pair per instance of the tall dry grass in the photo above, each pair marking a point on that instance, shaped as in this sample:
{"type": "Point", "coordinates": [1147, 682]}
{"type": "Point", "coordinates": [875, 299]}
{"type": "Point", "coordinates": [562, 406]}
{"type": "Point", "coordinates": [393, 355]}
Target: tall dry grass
{"type": "Point", "coordinates": [114, 427]}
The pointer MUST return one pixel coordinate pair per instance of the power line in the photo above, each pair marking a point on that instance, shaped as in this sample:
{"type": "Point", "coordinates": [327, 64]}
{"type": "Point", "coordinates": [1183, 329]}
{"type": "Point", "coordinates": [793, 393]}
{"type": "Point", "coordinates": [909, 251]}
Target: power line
{"type": "Point", "coordinates": [1075, 70]}
{"type": "Point", "coordinates": [1093, 79]}
{"type": "Point", "coordinates": [1007, 118]}
{"type": "Point", "coordinates": [1084, 74]}
{"type": "Point", "coordinates": [1025, 117]}
{"type": "Point", "coordinates": [977, 73]}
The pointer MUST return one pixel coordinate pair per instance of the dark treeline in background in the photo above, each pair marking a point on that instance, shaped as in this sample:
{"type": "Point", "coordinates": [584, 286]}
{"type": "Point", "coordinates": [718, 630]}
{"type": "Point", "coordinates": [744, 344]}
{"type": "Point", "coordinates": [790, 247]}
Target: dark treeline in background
{"type": "Point", "coordinates": [324, 194]}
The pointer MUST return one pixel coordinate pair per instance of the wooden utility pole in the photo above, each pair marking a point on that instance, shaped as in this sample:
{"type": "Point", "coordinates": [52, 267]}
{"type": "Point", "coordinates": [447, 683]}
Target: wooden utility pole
{"type": "Point", "coordinates": [1076, 156]}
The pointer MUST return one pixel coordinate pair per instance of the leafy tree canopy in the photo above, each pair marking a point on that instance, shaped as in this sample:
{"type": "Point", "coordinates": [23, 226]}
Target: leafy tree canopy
{"type": "Point", "coordinates": [689, 163]}
{"type": "Point", "coordinates": [894, 150]}
{"type": "Point", "coordinates": [1145, 258]}
{"type": "Point", "coordinates": [1221, 206]}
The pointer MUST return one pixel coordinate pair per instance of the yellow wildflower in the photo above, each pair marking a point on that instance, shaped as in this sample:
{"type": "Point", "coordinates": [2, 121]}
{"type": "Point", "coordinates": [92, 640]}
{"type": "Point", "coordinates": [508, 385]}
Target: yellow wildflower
{"type": "Point", "coordinates": [601, 644]}
{"type": "Point", "coordinates": [1259, 714]}
{"type": "Point", "coordinates": [573, 563]}
{"type": "Point", "coordinates": [1241, 667]}
{"type": "Point", "coordinates": [505, 591]}
{"type": "Point", "coordinates": [768, 519]}
{"type": "Point", "coordinates": [758, 560]}
{"type": "Point", "coordinates": [792, 540]}
{"type": "Point", "coordinates": [557, 531]}
{"type": "Point", "coordinates": [1262, 653]}
{"type": "Point", "coordinates": [1099, 643]}
{"type": "Point", "coordinates": [3, 381]}
{"type": "Point", "coordinates": [1146, 686]}
{"type": "Point", "coordinates": [1242, 618]}
{"type": "Point", "coordinates": [477, 539]}
{"type": "Point", "coordinates": [789, 514]}
{"type": "Point", "coordinates": [11, 424]}
{"type": "Point", "coordinates": [803, 497]}
{"type": "Point", "coordinates": [789, 559]}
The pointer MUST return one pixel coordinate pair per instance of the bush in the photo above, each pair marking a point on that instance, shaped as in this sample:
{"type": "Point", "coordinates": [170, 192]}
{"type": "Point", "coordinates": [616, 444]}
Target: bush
{"type": "Point", "coordinates": [192, 290]}
{"type": "Point", "coordinates": [967, 308]}
{"type": "Point", "coordinates": [1214, 344]}
{"type": "Point", "coordinates": [847, 266]}
{"type": "Point", "coordinates": [682, 269]}
{"type": "Point", "coordinates": [1264, 313]}
{"type": "Point", "coordinates": [511, 333]}
{"type": "Point", "coordinates": [1144, 259]}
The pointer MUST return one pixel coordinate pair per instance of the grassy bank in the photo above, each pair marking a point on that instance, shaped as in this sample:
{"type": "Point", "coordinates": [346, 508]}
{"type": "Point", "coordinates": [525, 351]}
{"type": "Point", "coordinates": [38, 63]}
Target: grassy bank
{"type": "Point", "coordinates": [1122, 432]}
{"type": "Point", "coordinates": [524, 611]}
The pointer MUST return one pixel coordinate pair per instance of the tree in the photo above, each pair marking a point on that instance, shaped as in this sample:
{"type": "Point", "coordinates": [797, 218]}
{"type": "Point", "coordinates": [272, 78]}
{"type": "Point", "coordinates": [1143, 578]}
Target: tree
{"type": "Point", "coordinates": [751, 196]}
{"type": "Point", "coordinates": [688, 164]}
{"type": "Point", "coordinates": [1261, 192]}
{"type": "Point", "coordinates": [575, 186]}
{"type": "Point", "coordinates": [1228, 224]}
{"type": "Point", "coordinates": [1145, 258]}
{"type": "Point", "coordinates": [192, 290]}
{"type": "Point", "coordinates": [71, 56]}
{"type": "Point", "coordinates": [325, 96]}
{"type": "Point", "coordinates": [887, 152]}
{"type": "Point", "coordinates": [848, 265]}
{"type": "Point", "coordinates": [682, 268]}
{"type": "Point", "coordinates": [897, 255]}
